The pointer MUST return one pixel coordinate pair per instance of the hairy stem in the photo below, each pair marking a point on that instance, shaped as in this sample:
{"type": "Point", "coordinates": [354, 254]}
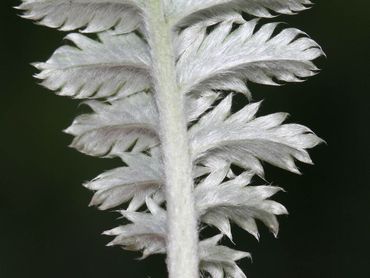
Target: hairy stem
{"type": "Point", "coordinates": [182, 242]}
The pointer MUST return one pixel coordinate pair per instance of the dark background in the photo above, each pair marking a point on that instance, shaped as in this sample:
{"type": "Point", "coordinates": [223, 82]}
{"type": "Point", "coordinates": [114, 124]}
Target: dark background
{"type": "Point", "coordinates": [47, 230]}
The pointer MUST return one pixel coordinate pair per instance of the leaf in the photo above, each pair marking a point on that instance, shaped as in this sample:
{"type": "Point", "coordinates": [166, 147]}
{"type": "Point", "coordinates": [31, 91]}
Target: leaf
{"type": "Point", "coordinates": [218, 260]}
{"type": "Point", "coordinates": [115, 66]}
{"type": "Point", "coordinates": [219, 202]}
{"type": "Point", "coordinates": [242, 138]}
{"type": "Point", "coordinates": [91, 15]}
{"type": "Point", "coordinates": [142, 177]}
{"type": "Point", "coordinates": [193, 36]}
{"type": "Point", "coordinates": [215, 51]}
{"type": "Point", "coordinates": [128, 123]}
{"type": "Point", "coordinates": [147, 232]}
{"type": "Point", "coordinates": [185, 12]}
{"type": "Point", "coordinates": [243, 54]}
{"type": "Point", "coordinates": [196, 105]}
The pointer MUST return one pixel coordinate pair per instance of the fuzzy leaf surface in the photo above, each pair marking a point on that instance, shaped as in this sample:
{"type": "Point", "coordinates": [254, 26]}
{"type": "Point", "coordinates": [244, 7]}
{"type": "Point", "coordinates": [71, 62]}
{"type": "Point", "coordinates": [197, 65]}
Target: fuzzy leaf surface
{"type": "Point", "coordinates": [127, 123]}
{"type": "Point", "coordinates": [245, 140]}
{"type": "Point", "coordinates": [219, 202]}
{"type": "Point", "coordinates": [147, 233]}
{"type": "Point", "coordinates": [220, 261]}
{"type": "Point", "coordinates": [185, 12]}
{"type": "Point", "coordinates": [142, 177]}
{"type": "Point", "coordinates": [115, 66]}
{"type": "Point", "coordinates": [91, 15]}
{"type": "Point", "coordinates": [215, 51]}
{"type": "Point", "coordinates": [243, 54]}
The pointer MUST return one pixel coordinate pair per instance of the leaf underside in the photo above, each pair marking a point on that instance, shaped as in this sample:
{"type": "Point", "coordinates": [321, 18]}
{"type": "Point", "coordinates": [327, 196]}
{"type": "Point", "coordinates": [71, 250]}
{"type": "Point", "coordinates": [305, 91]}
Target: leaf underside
{"type": "Point", "coordinates": [217, 53]}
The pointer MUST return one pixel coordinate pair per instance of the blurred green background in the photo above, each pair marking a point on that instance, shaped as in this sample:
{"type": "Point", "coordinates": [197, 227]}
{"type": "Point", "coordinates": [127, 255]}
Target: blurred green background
{"type": "Point", "coordinates": [47, 230]}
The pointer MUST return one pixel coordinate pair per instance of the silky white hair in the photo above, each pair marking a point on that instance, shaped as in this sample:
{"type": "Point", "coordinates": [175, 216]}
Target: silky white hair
{"type": "Point", "coordinates": [216, 53]}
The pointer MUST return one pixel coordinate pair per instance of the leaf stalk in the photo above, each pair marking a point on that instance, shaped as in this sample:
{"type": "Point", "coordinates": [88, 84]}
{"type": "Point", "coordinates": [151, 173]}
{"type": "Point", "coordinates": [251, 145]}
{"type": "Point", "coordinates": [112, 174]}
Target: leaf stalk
{"type": "Point", "coordinates": [182, 240]}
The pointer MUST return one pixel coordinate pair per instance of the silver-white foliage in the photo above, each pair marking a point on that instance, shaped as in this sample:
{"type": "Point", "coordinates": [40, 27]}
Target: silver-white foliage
{"type": "Point", "coordinates": [125, 15]}
{"type": "Point", "coordinates": [115, 127]}
{"type": "Point", "coordinates": [220, 261]}
{"type": "Point", "coordinates": [240, 138]}
{"type": "Point", "coordinates": [127, 123]}
{"type": "Point", "coordinates": [185, 11]}
{"type": "Point", "coordinates": [114, 66]}
{"type": "Point", "coordinates": [147, 233]}
{"type": "Point", "coordinates": [115, 70]}
{"type": "Point", "coordinates": [219, 202]}
{"type": "Point", "coordinates": [244, 139]}
{"type": "Point", "coordinates": [142, 177]}
{"type": "Point", "coordinates": [259, 56]}
{"type": "Point", "coordinates": [118, 65]}
{"type": "Point", "coordinates": [91, 15]}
